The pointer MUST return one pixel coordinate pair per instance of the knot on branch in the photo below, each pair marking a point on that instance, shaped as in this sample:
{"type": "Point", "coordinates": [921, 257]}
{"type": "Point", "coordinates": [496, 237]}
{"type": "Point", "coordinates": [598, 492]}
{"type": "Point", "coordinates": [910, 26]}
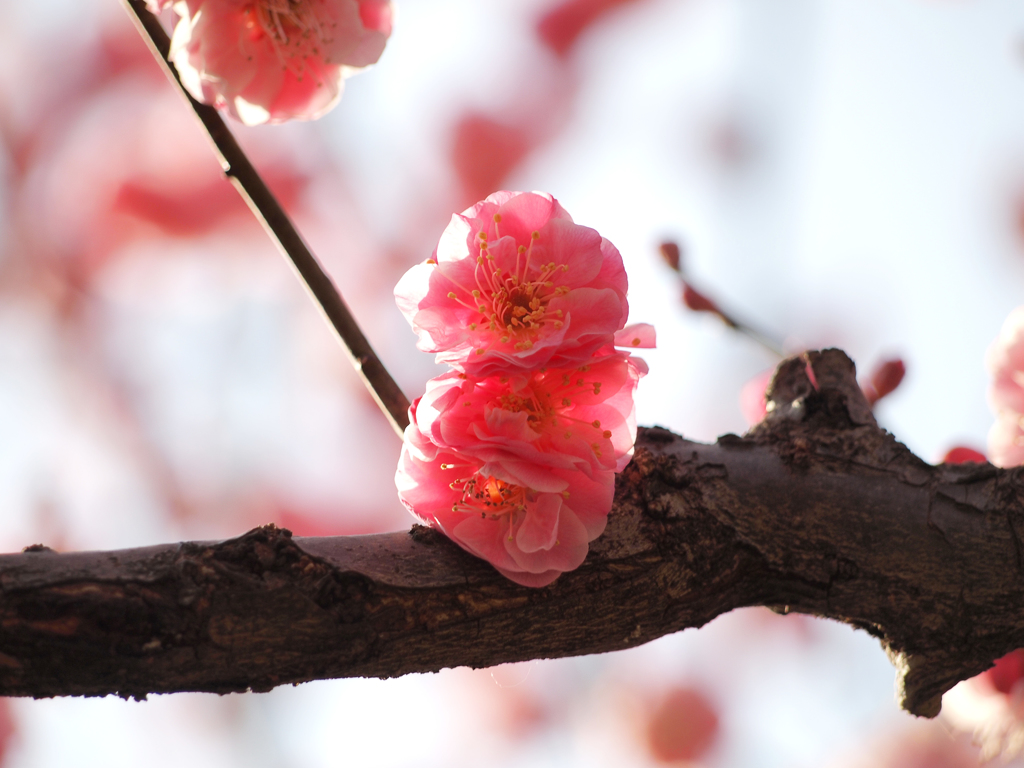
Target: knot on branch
{"type": "Point", "coordinates": [818, 389]}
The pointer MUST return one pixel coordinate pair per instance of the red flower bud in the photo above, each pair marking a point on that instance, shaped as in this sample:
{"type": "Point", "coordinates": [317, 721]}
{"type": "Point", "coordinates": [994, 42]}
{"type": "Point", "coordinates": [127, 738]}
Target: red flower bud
{"type": "Point", "coordinates": [697, 301]}
{"type": "Point", "coordinates": [1006, 672]}
{"type": "Point", "coordinates": [963, 455]}
{"type": "Point", "coordinates": [670, 253]}
{"type": "Point", "coordinates": [884, 379]}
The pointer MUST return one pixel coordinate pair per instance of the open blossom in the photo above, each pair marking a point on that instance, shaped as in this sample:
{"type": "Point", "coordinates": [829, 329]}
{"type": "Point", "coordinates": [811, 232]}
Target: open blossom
{"type": "Point", "coordinates": [514, 283]}
{"type": "Point", "coordinates": [1005, 362]}
{"type": "Point", "coordinates": [527, 422]}
{"type": "Point", "coordinates": [274, 60]}
{"type": "Point", "coordinates": [531, 526]}
{"type": "Point", "coordinates": [513, 453]}
{"type": "Point", "coordinates": [992, 706]}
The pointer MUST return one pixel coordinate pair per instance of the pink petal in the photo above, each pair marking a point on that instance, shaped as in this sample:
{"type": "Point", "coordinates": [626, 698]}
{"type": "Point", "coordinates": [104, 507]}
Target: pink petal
{"type": "Point", "coordinates": [567, 553]}
{"type": "Point", "coordinates": [638, 335]}
{"type": "Point", "coordinates": [540, 528]}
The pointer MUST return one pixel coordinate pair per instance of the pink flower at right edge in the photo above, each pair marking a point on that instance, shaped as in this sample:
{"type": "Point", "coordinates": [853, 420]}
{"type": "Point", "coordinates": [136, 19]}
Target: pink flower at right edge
{"type": "Point", "coordinates": [268, 61]}
{"type": "Point", "coordinates": [991, 705]}
{"type": "Point", "coordinates": [514, 283]}
{"type": "Point", "coordinates": [531, 529]}
{"type": "Point", "coordinates": [1005, 362]}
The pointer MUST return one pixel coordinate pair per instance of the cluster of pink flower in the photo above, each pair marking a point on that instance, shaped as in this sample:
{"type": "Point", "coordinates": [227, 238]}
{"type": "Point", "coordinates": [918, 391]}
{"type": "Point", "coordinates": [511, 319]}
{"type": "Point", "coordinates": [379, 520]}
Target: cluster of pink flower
{"type": "Point", "coordinates": [513, 453]}
{"type": "Point", "coordinates": [274, 60]}
{"type": "Point", "coordinates": [1006, 365]}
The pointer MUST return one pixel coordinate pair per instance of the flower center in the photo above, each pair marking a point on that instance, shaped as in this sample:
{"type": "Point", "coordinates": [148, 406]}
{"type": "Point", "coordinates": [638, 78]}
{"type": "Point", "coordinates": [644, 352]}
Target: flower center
{"type": "Point", "coordinates": [488, 496]}
{"type": "Point", "coordinates": [512, 304]}
{"type": "Point", "coordinates": [550, 399]}
{"type": "Point", "coordinates": [294, 26]}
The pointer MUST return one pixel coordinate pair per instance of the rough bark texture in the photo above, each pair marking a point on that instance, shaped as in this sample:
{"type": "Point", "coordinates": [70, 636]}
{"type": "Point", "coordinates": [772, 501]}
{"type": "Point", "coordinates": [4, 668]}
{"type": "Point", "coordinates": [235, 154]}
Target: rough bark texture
{"type": "Point", "coordinates": [817, 510]}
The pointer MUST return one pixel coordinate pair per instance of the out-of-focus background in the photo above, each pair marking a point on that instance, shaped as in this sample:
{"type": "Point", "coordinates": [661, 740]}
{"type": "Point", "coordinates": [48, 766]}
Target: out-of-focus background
{"type": "Point", "coordinates": [838, 172]}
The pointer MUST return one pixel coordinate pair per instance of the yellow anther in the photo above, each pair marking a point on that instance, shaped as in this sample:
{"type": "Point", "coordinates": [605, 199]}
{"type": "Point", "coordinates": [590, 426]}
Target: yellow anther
{"type": "Point", "coordinates": [606, 434]}
{"type": "Point", "coordinates": [636, 342]}
{"type": "Point", "coordinates": [479, 352]}
{"type": "Point", "coordinates": [482, 235]}
{"type": "Point", "coordinates": [522, 249]}
{"type": "Point", "coordinates": [431, 261]}
{"type": "Point", "coordinates": [476, 294]}
{"type": "Point", "coordinates": [504, 339]}
{"type": "Point", "coordinates": [472, 326]}
{"type": "Point", "coordinates": [497, 218]}
{"type": "Point", "coordinates": [535, 235]}
{"type": "Point", "coordinates": [451, 295]}
{"type": "Point", "coordinates": [596, 423]}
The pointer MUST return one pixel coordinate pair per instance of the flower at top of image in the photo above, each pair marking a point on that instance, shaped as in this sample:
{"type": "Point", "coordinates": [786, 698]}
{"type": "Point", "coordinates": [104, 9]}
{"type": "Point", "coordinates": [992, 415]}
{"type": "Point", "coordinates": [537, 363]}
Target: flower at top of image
{"type": "Point", "coordinates": [268, 61]}
{"type": "Point", "coordinates": [514, 283]}
{"type": "Point", "coordinates": [513, 453]}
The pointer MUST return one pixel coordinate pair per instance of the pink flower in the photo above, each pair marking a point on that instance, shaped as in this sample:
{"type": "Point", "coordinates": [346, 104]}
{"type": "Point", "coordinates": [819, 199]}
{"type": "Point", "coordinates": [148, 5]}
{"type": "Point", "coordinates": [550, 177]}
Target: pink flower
{"type": "Point", "coordinates": [274, 60]}
{"type": "Point", "coordinates": [753, 402]}
{"type": "Point", "coordinates": [514, 283]}
{"type": "Point", "coordinates": [1006, 441]}
{"type": "Point", "coordinates": [1005, 362]}
{"type": "Point", "coordinates": [531, 526]}
{"type": "Point", "coordinates": [530, 422]}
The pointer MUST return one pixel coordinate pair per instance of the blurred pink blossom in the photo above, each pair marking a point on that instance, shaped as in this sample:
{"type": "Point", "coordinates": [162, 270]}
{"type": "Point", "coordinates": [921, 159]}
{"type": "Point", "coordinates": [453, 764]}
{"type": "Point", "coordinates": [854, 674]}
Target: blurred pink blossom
{"type": "Point", "coordinates": [514, 283]}
{"type": "Point", "coordinates": [1005, 362]}
{"type": "Point", "coordinates": [753, 403]}
{"type": "Point", "coordinates": [562, 26]}
{"type": "Point", "coordinates": [531, 421]}
{"type": "Point", "coordinates": [531, 525]}
{"type": "Point", "coordinates": [683, 726]}
{"type": "Point", "coordinates": [274, 60]}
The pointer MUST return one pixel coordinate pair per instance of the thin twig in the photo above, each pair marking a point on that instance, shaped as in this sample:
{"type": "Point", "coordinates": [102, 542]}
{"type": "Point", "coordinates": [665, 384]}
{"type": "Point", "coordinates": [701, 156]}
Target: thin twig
{"type": "Point", "coordinates": [275, 221]}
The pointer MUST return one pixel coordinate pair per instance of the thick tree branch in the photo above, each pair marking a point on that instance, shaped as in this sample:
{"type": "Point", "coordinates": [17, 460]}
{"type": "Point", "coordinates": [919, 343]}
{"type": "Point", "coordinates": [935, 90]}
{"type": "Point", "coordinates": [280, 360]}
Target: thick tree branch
{"type": "Point", "coordinates": [817, 510]}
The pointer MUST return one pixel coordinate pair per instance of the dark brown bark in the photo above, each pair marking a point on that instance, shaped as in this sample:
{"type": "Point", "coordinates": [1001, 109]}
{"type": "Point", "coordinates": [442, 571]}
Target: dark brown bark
{"type": "Point", "coordinates": [817, 510]}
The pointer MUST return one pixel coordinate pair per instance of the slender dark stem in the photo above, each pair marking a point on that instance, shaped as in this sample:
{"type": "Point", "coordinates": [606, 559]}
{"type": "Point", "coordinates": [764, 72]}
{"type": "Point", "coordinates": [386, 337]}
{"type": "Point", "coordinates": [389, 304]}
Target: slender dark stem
{"type": "Point", "coordinates": [753, 333]}
{"type": "Point", "coordinates": [275, 221]}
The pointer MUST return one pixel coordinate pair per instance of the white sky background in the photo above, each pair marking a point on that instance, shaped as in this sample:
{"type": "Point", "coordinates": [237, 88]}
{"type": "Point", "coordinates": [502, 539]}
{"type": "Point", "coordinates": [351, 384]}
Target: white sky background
{"type": "Point", "coordinates": [876, 213]}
